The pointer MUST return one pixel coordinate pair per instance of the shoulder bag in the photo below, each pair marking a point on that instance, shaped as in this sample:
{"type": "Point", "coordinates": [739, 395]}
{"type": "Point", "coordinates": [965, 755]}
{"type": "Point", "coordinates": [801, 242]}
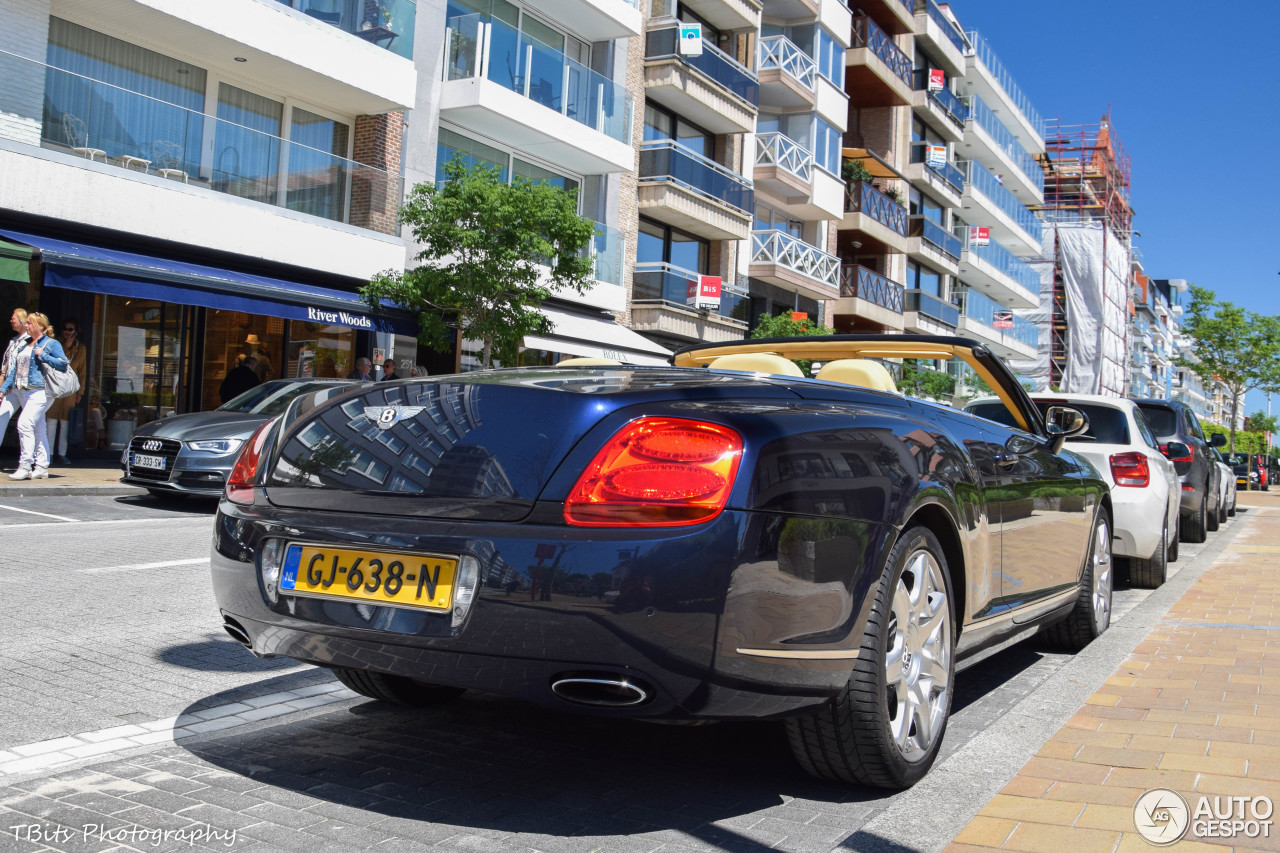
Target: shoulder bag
{"type": "Point", "coordinates": [60, 383]}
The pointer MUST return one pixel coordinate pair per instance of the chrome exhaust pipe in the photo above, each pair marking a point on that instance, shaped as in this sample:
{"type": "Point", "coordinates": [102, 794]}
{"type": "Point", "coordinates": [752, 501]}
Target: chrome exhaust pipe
{"type": "Point", "coordinates": [601, 691]}
{"type": "Point", "coordinates": [239, 634]}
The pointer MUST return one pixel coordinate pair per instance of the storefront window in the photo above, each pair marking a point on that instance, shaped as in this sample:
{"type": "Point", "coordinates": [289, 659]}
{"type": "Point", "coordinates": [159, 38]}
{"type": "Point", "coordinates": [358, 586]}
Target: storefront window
{"type": "Point", "coordinates": [140, 369]}
{"type": "Point", "coordinates": [319, 351]}
{"type": "Point", "coordinates": [229, 338]}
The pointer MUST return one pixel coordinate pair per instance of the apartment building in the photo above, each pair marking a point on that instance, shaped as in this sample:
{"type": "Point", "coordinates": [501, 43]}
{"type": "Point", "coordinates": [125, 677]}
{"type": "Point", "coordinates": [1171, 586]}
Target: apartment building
{"type": "Point", "coordinates": [542, 91]}
{"type": "Point", "coordinates": [197, 183]}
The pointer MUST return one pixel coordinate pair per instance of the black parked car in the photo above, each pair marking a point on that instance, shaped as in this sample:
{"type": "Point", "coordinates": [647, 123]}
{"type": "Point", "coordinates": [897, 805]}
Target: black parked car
{"type": "Point", "coordinates": [756, 544]}
{"type": "Point", "coordinates": [1198, 471]}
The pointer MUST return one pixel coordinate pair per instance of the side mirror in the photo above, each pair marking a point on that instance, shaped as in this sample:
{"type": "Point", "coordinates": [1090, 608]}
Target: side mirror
{"type": "Point", "coordinates": [1071, 422]}
{"type": "Point", "coordinates": [1175, 450]}
{"type": "Point", "coordinates": [1217, 440]}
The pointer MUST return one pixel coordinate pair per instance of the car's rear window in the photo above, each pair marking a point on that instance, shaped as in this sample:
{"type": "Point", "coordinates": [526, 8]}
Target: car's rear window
{"type": "Point", "coordinates": [1106, 425]}
{"type": "Point", "coordinates": [1163, 421]}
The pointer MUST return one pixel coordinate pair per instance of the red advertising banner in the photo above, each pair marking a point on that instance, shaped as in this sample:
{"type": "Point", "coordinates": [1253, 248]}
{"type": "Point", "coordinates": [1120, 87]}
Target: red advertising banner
{"type": "Point", "coordinates": [937, 79]}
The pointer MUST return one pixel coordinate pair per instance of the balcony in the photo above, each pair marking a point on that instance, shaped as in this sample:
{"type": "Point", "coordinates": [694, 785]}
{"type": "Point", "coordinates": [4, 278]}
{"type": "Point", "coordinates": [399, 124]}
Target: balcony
{"type": "Point", "coordinates": [940, 109]}
{"type": "Point", "coordinates": [786, 170]}
{"type": "Point", "coordinates": [788, 75]}
{"type": "Point", "coordinates": [945, 42]}
{"type": "Point", "coordinates": [605, 291]}
{"type": "Point", "coordinates": [987, 202]}
{"type": "Point", "coordinates": [78, 149]}
{"type": "Point", "coordinates": [787, 261]}
{"type": "Point", "coordinates": [720, 91]}
{"type": "Point", "coordinates": [870, 211]}
{"type": "Point", "coordinates": [724, 15]}
{"type": "Point", "coordinates": [944, 183]}
{"type": "Point", "coordinates": [988, 140]}
{"type": "Point", "coordinates": [682, 188]}
{"type": "Point", "coordinates": [986, 77]}
{"type": "Point", "coordinates": [870, 297]}
{"type": "Point", "coordinates": [926, 314]}
{"type": "Point", "coordinates": [877, 72]}
{"type": "Point", "coordinates": [929, 242]}
{"type": "Point", "coordinates": [596, 20]}
{"type": "Point", "coordinates": [896, 17]}
{"type": "Point", "coordinates": [1016, 338]}
{"type": "Point", "coordinates": [659, 306]}
{"type": "Point", "coordinates": [1000, 274]}
{"type": "Point", "coordinates": [509, 86]}
{"type": "Point", "coordinates": [389, 24]}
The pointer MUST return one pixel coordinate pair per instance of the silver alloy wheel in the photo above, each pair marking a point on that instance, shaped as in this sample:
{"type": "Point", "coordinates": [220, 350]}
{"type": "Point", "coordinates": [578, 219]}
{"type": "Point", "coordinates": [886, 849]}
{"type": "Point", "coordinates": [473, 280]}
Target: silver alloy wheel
{"type": "Point", "coordinates": [918, 656]}
{"type": "Point", "coordinates": [1102, 576]}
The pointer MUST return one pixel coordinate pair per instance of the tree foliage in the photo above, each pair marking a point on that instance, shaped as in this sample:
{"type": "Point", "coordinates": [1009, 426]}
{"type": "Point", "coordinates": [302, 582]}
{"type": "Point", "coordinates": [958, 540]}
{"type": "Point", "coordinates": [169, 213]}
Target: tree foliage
{"type": "Point", "coordinates": [924, 382]}
{"type": "Point", "coordinates": [491, 252]}
{"type": "Point", "coordinates": [1261, 422]}
{"type": "Point", "coordinates": [1233, 345]}
{"type": "Point", "coordinates": [783, 326]}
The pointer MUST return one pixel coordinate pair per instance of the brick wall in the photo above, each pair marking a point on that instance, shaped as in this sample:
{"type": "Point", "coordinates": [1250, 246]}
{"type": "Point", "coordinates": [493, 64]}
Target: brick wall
{"type": "Point", "coordinates": [628, 203]}
{"type": "Point", "coordinates": [376, 192]}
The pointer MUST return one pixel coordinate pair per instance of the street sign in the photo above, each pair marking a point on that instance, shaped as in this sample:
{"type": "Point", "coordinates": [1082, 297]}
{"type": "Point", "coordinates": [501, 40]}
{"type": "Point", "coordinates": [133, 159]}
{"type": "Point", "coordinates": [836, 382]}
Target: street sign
{"type": "Point", "coordinates": [691, 39]}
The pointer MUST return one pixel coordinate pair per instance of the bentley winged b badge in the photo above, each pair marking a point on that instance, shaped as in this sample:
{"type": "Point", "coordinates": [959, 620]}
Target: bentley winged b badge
{"type": "Point", "coordinates": [388, 416]}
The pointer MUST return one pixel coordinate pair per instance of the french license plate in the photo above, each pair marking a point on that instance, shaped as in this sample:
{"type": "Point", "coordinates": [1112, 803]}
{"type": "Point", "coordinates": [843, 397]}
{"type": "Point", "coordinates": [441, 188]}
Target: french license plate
{"type": "Point", "coordinates": [143, 461]}
{"type": "Point", "coordinates": [418, 581]}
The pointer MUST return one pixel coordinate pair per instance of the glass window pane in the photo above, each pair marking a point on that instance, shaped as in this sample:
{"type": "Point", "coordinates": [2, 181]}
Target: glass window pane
{"type": "Point", "coordinates": [650, 243]}
{"type": "Point", "coordinates": [246, 145]}
{"type": "Point", "coordinates": [317, 165]}
{"type": "Point", "coordinates": [541, 175]}
{"type": "Point", "coordinates": [689, 252]}
{"type": "Point", "coordinates": [449, 143]}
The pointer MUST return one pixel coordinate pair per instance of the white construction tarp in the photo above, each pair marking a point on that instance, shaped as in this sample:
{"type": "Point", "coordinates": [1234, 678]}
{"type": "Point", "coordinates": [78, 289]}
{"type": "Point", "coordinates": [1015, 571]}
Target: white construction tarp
{"type": "Point", "coordinates": [1094, 264]}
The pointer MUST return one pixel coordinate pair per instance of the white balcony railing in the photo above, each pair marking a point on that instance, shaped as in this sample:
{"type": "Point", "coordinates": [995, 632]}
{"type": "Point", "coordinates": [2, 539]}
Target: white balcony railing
{"type": "Point", "coordinates": [776, 149]}
{"type": "Point", "coordinates": [781, 52]}
{"type": "Point", "coordinates": [785, 250]}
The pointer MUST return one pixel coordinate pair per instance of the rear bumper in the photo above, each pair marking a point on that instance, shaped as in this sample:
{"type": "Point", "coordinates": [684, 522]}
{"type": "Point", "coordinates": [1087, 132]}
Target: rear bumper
{"type": "Point", "coordinates": [1139, 521]}
{"type": "Point", "coordinates": [685, 612]}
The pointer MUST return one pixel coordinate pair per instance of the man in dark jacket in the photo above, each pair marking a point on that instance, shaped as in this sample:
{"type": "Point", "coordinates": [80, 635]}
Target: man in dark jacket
{"type": "Point", "coordinates": [389, 370]}
{"type": "Point", "coordinates": [239, 380]}
{"type": "Point", "coordinates": [363, 371]}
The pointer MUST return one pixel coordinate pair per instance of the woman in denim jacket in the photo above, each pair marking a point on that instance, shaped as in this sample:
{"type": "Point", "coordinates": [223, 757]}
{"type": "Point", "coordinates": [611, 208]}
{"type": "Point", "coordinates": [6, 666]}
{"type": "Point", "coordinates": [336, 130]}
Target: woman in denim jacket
{"type": "Point", "coordinates": [26, 379]}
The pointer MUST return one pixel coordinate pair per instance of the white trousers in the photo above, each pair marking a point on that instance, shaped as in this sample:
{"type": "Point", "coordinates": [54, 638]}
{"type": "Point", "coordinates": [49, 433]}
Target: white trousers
{"type": "Point", "coordinates": [12, 403]}
{"type": "Point", "coordinates": [61, 430]}
{"type": "Point", "coordinates": [33, 438]}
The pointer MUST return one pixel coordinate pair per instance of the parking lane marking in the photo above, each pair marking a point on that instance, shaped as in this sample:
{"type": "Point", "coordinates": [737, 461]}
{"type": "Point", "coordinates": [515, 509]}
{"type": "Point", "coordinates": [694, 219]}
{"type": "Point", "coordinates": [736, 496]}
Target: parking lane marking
{"type": "Point", "coordinates": [137, 567]}
{"type": "Point", "coordinates": [58, 752]}
{"type": "Point", "coordinates": [33, 512]}
{"type": "Point", "coordinates": [104, 521]}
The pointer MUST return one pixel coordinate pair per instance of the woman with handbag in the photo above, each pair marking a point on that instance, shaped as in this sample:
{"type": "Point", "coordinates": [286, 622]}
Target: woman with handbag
{"type": "Point", "coordinates": [39, 358]}
{"type": "Point", "coordinates": [58, 420]}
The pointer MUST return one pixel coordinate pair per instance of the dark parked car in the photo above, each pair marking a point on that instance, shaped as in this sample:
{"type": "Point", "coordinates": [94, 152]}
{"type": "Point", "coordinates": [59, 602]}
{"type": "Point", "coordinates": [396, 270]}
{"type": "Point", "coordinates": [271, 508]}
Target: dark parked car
{"type": "Point", "coordinates": [192, 454]}
{"type": "Point", "coordinates": [761, 544]}
{"type": "Point", "coordinates": [1202, 509]}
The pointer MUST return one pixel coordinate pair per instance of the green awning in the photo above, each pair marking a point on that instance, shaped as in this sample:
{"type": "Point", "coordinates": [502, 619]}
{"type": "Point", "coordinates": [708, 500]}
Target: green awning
{"type": "Point", "coordinates": [15, 262]}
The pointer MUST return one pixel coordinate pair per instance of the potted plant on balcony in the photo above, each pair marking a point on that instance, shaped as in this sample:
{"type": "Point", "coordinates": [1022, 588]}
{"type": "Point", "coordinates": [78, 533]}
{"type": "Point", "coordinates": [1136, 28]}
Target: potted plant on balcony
{"type": "Point", "coordinates": [853, 170]}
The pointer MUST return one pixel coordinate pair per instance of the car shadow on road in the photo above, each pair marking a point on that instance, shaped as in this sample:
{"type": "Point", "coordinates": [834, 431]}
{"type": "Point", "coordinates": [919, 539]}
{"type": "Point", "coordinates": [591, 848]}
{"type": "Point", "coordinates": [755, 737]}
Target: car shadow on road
{"type": "Point", "coordinates": [183, 505]}
{"type": "Point", "coordinates": [220, 654]}
{"type": "Point", "coordinates": [492, 766]}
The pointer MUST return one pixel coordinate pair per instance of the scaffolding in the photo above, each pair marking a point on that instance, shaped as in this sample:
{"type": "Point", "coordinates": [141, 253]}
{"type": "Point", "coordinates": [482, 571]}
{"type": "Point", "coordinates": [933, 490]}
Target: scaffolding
{"type": "Point", "coordinates": [1086, 195]}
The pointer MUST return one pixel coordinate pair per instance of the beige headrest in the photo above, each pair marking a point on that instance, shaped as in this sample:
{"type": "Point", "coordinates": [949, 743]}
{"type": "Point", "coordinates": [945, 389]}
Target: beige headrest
{"type": "Point", "coordinates": [859, 371]}
{"type": "Point", "coordinates": [757, 362]}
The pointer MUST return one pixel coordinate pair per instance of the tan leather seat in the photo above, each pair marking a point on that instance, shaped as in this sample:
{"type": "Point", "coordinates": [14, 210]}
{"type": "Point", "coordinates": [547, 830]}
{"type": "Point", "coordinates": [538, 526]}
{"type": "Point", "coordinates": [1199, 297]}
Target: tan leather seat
{"type": "Point", "coordinates": [757, 362]}
{"type": "Point", "coordinates": [859, 371]}
{"type": "Point", "coordinates": [586, 361]}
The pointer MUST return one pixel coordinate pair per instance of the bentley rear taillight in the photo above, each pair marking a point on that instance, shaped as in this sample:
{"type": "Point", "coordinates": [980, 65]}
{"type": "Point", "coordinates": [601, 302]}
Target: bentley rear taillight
{"type": "Point", "coordinates": [657, 472]}
{"type": "Point", "coordinates": [1130, 469]}
{"type": "Point", "coordinates": [244, 474]}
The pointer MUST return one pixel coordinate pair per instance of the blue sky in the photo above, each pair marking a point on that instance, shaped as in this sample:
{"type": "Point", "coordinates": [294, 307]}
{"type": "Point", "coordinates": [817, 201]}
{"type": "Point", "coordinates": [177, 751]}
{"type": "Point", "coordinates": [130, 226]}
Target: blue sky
{"type": "Point", "coordinates": [1194, 99]}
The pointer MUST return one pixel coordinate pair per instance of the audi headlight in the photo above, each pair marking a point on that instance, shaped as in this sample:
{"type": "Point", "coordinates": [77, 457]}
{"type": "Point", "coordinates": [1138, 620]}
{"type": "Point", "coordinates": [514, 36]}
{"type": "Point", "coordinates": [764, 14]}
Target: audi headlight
{"type": "Point", "coordinates": [222, 445]}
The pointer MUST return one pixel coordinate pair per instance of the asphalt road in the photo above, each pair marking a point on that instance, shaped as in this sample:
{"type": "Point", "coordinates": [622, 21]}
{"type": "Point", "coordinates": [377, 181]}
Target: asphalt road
{"type": "Point", "coordinates": [126, 705]}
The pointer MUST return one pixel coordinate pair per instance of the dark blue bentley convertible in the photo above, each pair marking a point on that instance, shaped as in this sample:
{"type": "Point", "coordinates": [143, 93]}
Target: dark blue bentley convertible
{"type": "Point", "coordinates": [722, 538]}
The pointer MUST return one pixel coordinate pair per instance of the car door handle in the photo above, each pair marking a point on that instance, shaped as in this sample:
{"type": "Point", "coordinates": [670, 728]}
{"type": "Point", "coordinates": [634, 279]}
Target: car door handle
{"type": "Point", "coordinates": [1006, 460]}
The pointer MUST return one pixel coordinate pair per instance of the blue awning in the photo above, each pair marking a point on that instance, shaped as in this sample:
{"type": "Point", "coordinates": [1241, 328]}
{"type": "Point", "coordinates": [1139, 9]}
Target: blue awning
{"type": "Point", "coordinates": [78, 266]}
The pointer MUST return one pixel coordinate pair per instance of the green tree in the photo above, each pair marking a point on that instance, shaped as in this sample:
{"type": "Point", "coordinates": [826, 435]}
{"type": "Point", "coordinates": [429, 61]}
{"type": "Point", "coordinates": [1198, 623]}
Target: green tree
{"type": "Point", "coordinates": [782, 325]}
{"type": "Point", "coordinates": [1233, 345]}
{"type": "Point", "coordinates": [1261, 422]}
{"type": "Point", "coordinates": [491, 252]}
{"type": "Point", "coordinates": [924, 382]}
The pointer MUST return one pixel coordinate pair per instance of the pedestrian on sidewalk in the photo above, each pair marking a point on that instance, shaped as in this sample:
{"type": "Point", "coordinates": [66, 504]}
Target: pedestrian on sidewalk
{"type": "Point", "coordinates": [58, 421]}
{"type": "Point", "coordinates": [12, 402]}
{"type": "Point", "coordinates": [26, 374]}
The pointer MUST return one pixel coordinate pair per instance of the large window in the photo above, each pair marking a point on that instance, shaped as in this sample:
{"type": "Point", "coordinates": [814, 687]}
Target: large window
{"type": "Point", "coordinates": [662, 124]}
{"type": "Point", "coordinates": [658, 243]}
{"type": "Point", "coordinates": [819, 44]}
{"type": "Point", "coordinates": [450, 143]}
{"type": "Point", "coordinates": [923, 278]}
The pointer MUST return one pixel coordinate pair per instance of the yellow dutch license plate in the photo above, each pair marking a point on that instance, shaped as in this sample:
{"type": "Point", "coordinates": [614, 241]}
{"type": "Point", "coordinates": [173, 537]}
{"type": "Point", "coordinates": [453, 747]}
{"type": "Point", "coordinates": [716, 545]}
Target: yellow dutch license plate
{"type": "Point", "coordinates": [419, 581]}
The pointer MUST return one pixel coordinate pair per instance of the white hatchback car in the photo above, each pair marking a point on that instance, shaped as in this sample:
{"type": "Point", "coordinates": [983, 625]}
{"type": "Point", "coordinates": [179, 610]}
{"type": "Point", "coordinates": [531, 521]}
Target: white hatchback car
{"type": "Point", "coordinates": [1144, 484]}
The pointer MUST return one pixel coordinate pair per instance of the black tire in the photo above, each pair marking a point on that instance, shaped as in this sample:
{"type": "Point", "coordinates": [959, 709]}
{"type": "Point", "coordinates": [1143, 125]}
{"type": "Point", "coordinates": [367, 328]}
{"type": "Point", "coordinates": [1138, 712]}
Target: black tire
{"type": "Point", "coordinates": [1173, 540]}
{"type": "Point", "coordinates": [1194, 525]}
{"type": "Point", "coordinates": [1231, 510]}
{"type": "Point", "coordinates": [852, 738]}
{"type": "Point", "coordinates": [1092, 614]}
{"type": "Point", "coordinates": [1213, 516]}
{"type": "Point", "coordinates": [1151, 572]}
{"type": "Point", "coordinates": [396, 689]}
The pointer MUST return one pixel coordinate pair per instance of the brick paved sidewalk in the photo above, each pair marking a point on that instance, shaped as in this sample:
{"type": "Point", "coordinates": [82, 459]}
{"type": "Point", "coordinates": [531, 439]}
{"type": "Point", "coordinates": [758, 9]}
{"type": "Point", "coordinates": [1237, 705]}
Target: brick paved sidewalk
{"type": "Point", "coordinates": [1195, 709]}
